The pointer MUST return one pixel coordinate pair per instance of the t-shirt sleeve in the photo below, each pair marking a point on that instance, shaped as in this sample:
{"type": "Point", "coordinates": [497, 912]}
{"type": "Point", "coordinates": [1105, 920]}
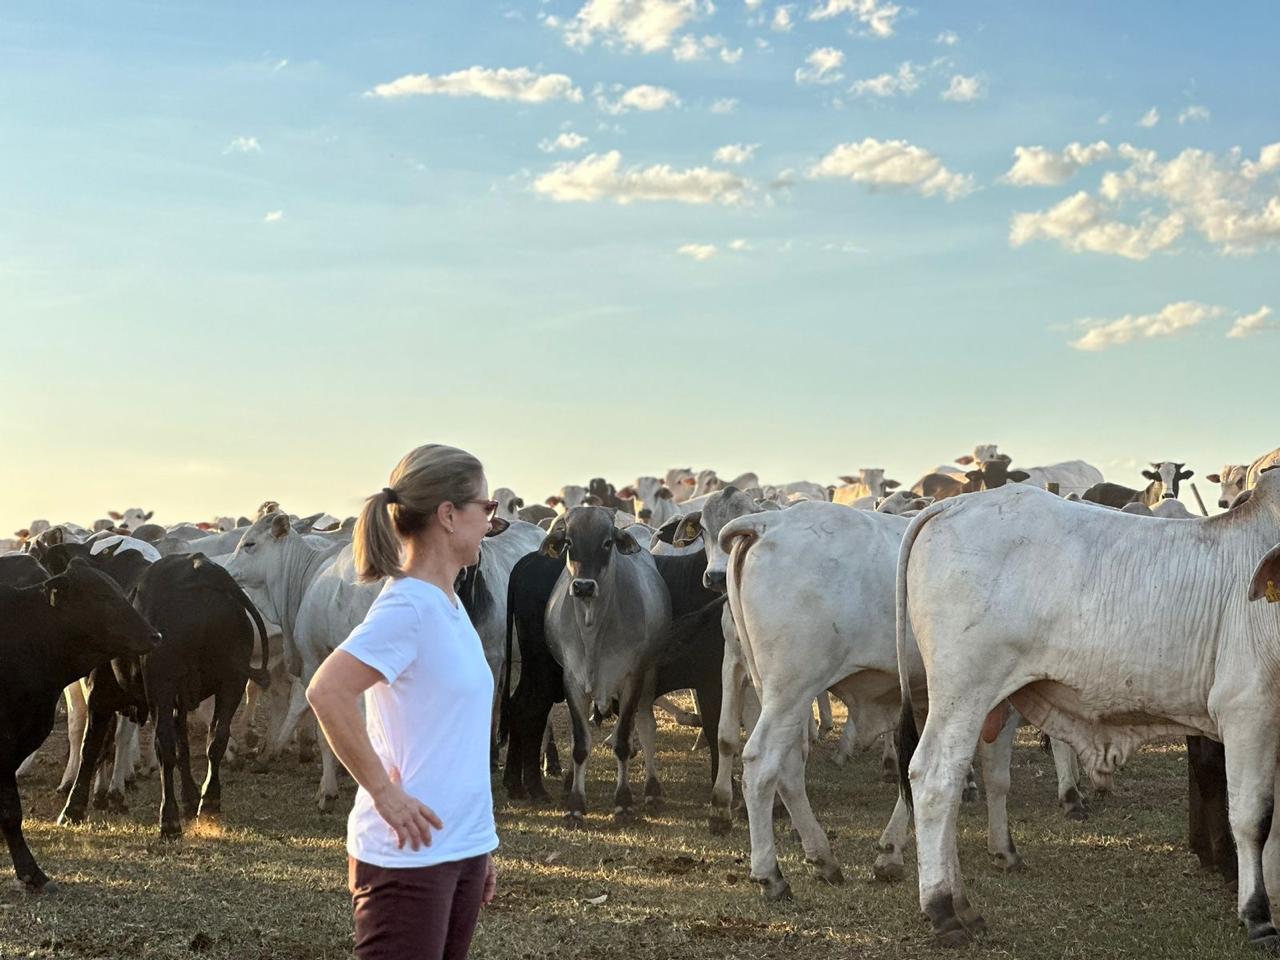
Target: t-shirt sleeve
{"type": "Point", "coordinates": [387, 639]}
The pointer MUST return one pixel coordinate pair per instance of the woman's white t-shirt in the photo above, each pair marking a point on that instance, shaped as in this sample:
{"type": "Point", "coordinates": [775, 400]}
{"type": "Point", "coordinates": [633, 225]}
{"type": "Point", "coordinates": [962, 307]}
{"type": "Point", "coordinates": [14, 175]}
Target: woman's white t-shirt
{"type": "Point", "coordinates": [430, 720]}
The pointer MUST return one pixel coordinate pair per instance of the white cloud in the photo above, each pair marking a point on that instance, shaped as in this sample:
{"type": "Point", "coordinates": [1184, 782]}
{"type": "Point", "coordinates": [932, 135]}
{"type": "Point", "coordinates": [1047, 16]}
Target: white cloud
{"type": "Point", "coordinates": [753, 4]}
{"type": "Point", "coordinates": [698, 251]}
{"type": "Point", "coordinates": [602, 177]}
{"type": "Point", "coordinates": [1039, 166]}
{"type": "Point", "coordinates": [730, 56]}
{"type": "Point", "coordinates": [645, 25]}
{"type": "Point", "coordinates": [947, 38]}
{"type": "Point", "coordinates": [1231, 201]}
{"type": "Point", "coordinates": [892, 163]}
{"type": "Point", "coordinates": [1150, 118]}
{"type": "Point", "coordinates": [279, 65]}
{"type": "Point", "coordinates": [823, 66]}
{"type": "Point", "coordinates": [740, 245]}
{"type": "Point", "coordinates": [1173, 319]}
{"type": "Point", "coordinates": [1104, 119]}
{"type": "Point", "coordinates": [736, 153]}
{"type": "Point", "coordinates": [565, 141]}
{"type": "Point", "coordinates": [693, 48]}
{"type": "Point", "coordinates": [520, 84]}
{"type": "Point", "coordinates": [273, 216]}
{"type": "Point", "coordinates": [906, 81]}
{"type": "Point", "coordinates": [964, 89]}
{"type": "Point", "coordinates": [243, 145]}
{"type": "Point", "coordinates": [782, 21]}
{"type": "Point", "coordinates": [724, 105]}
{"type": "Point", "coordinates": [877, 15]}
{"type": "Point", "coordinates": [1194, 113]}
{"type": "Point", "coordinates": [1080, 224]}
{"type": "Point", "coordinates": [646, 98]}
{"type": "Point", "coordinates": [1252, 323]}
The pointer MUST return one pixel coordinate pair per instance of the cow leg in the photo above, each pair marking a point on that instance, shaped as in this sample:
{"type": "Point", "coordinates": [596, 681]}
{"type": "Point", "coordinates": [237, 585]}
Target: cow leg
{"type": "Point", "coordinates": [327, 793]}
{"type": "Point", "coordinates": [888, 759]}
{"type": "Point", "coordinates": [1208, 824]}
{"type": "Point", "coordinates": [1250, 747]}
{"type": "Point", "coordinates": [297, 707]}
{"type": "Point", "coordinates": [148, 762]}
{"type": "Point", "coordinates": [182, 746]}
{"type": "Point", "coordinates": [889, 866]}
{"type": "Point", "coordinates": [576, 780]}
{"type": "Point", "coordinates": [224, 708]}
{"type": "Point", "coordinates": [549, 747]}
{"type": "Point", "coordinates": [733, 674]}
{"type": "Point", "coordinates": [27, 765]}
{"type": "Point", "coordinates": [628, 707]}
{"type": "Point", "coordinates": [848, 738]}
{"type": "Point", "coordinates": [24, 864]}
{"type": "Point", "coordinates": [996, 760]}
{"type": "Point", "coordinates": [817, 848]}
{"type": "Point", "coordinates": [536, 715]}
{"type": "Point", "coordinates": [77, 717]}
{"type": "Point", "coordinates": [825, 722]}
{"type": "Point", "coordinates": [126, 742]}
{"type": "Point", "coordinates": [98, 727]}
{"type": "Point", "coordinates": [1197, 828]}
{"type": "Point", "coordinates": [1067, 766]}
{"type": "Point", "coordinates": [647, 727]}
{"type": "Point", "coordinates": [709, 713]}
{"type": "Point", "coordinates": [167, 750]}
{"type": "Point", "coordinates": [938, 770]}
{"type": "Point", "coordinates": [777, 733]}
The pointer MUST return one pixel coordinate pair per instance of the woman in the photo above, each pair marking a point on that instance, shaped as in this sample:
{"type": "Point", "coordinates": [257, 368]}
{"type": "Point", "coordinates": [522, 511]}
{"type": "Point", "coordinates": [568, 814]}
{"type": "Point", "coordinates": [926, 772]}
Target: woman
{"type": "Point", "coordinates": [421, 835]}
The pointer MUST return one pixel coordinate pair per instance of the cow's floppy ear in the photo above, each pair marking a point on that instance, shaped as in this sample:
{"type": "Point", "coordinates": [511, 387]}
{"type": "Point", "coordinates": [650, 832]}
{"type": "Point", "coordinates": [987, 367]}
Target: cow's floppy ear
{"type": "Point", "coordinates": [627, 493]}
{"type": "Point", "coordinates": [553, 544]}
{"type": "Point", "coordinates": [974, 475]}
{"type": "Point", "coordinates": [625, 542]}
{"type": "Point", "coordinates": [965, 460]}
{"type": "Point", "coordinates": [689, 530]}
{"type": "Point", "coordinates": [147, 515]}
{"type": "Point", "coordinates": [1266, 579]}
{"type": "Point", "coordinates": [890, 484]}
{"type": "Point", "coordinates": [280, 526]}
{"type": "Point", "coordinates": [846, 479]}
{"type": "Point", "coordinates": [664, 493]}
{"type": "Point", "coordinates": [1214, 477]}
{"type": "Point", "coordinates": [1185, 474]}
{"type": "Point", "coordinates": [1017, 476]}
{"type": "Point", "coordinates": [496, 526]}
{"type": "Point", "coordinates": [115, 515]}
{"type": "Point", "coordinates": [689, 481]}
{"type": "Point", "coordinates": [1151, 474]}
{"type": "Point", "coordinates": [553, 501]}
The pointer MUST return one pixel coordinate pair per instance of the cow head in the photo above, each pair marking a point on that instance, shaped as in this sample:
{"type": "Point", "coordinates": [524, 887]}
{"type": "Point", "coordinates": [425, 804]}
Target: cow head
{"type": "Point", "coordinates": [509, 505]}
{"type": "Point", "coordinates": [1169, 474]}
{"type": "Point", "coordinates": [260, 560]}
{"type": "Point", "coordinates": [728, 504]}
{"type": "Point", "coordinates": [707, 482]}
{"type": "Point", "coordinates": [1232, 478]}
{"type": "Point", "coordinates": [993, 474]}
{"type": "Point", "coordinates": [92, 608]}
{"type": "Point", "coordinates": [902, 501]}
{"type": "Point", "coordinates": [587, 539]}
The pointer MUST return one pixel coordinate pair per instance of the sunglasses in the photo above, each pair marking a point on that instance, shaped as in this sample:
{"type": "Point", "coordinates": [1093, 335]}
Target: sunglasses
{"type": "Point", "coordinates": [490, 507]}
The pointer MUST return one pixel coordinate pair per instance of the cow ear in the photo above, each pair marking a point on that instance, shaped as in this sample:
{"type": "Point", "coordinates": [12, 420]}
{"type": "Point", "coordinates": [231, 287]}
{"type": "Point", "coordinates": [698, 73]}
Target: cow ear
{"type": "Point", "coordinates": [974, 475]}
{"type": "Point", "coordinates": [115, 515]}
{"type": "Point", "coordinates": [1186, 474]}
{"type": "Point", "coordinates": [496, 526]}
{"type": "Point", "coordinates": [554, 543]}
{"type": "Point", "coordinates": [553, 501]}
{"type": "Point", "coordinates": [965, 460]}
{"type": "Point", "coordinates": [280, 526]}
{"type": "Point", "coordinates": [1151, 474]}
{"type": "Point", "coordinates": [890, 484]}
{"type": "Point", "coordinates": [846, 479]}
{"type": "Point", "coordinates": [1214, 477]}
{"type": "Point", "coordinates": [1017, 476]}
{"type": "Point", "coordinates": [689, 530]}
{"type": "Point", "coordinates": [147, 515]}
{"type": "Point", "coordinates": [689, 481]}
{"type": "Point", "coordinates": [1266, 579]}
{"type": "Point", "coordinates": [664, 493]}
{"type": "Point", "coordinates": [625, 542]}
{"type": "Point", "coordinates": [627, 493]}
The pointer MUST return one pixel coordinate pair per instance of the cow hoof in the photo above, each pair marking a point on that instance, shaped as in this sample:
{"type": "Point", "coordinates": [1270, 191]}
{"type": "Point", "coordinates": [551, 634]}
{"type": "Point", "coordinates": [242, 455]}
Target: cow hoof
{"type": "Point", "coordinates": [890, 871]}
{"type": "Point", "coordinates": [1009, 863]}
{"type": "Point", "coordinates": [516, 791]}
{"type": "Point", "coordinates": [251, 738]}
{"type": "Point", "coordinates": [829, 873]}
{"type": "Point", "coordinates": [1268, 942]}
{"type": "Point", "coordinates": [116, 802]}
{"type": "Point", "coordinates": [794, 835]}
{"type": "Point", "coordinates": [326, 803]}
{"type": "Point", "coordinates": [170, 831]}
{"type": "Point", "coordinates": [624, 816]}
{"type": "Point", "coordinates": [775, 889]}
{"type": "Point", "coordinates": [1077, 813]}
{"type": "Point", "coordinates": [889, 775]}
{"type": "Point", "coordinates": [654, 803]}
{"type": "Point", "coordinates": [39, 888]}
{"type": "Point", "coordinates": [64, 789]}
{"type": "Point", "coordinates": [553, 770]}
{"type": "Point", "coordinates": [574, 821]}
{"type": "Point", "coordinates": [305, 755]}
{"type": "Point", "coordinates": [970, 794]}
{"type": "Point", "coordinates": [99, 801]}
{"type": "Point", "coordinates": [262, 764]}
{"type": "Point", "coordinates": [71, 818]}
{"type": "Point", "coordinates": [718, 825]}
{"type": "Point", "coordinates": [953, 937]}
{"type": "Point", "coordinates": [191, 810]}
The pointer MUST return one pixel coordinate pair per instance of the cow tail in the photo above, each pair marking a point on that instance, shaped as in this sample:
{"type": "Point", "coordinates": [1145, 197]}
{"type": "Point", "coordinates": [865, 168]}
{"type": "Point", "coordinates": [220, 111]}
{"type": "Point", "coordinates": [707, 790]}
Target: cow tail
{"type": "Point", "coordinates": [737, 537]}
{"type": "Point", "coordinates": [908, 733]}
{"type": "Point", "coordinates": [260, 675]}
{"type": "Point", "coordinates": [504, 713]}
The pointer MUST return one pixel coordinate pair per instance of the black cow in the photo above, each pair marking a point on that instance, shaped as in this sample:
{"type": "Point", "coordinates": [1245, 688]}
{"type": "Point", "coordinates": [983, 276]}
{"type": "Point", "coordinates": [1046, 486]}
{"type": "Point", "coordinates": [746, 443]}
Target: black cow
{"type": "Point", "coordinates": [21, 570]}
{"type": "Point", "coordinates": [207, 649]}
{"type": "Point", "coordinates": [1209, 829]}
{"type": "Point", "coordinates": [987, 476]}
{"type": "Point", "coordinates": [52, 634]}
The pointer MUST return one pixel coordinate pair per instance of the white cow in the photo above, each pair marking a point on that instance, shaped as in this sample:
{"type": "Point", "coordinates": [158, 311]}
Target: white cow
{"type": "Point", "coordinates": [1238, 477]}
{"type": "Point", "coordinates": [654, 499]}
{"type": "Point", "coordinates": [1057, 608]}
{"type": "Point", "coordinates": [569, 497]}
{"type": "Point", "coordinates": [869, 483]}
{"type": "Point", "coordinates": [509, 503]}
{"type": "Point", "coordinates": [682, 482]}
{"type": "Point", "coordinates": [1071, 476]}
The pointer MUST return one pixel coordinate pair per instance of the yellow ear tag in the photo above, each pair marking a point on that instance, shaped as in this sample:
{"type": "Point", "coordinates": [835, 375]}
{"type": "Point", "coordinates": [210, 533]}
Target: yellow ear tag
{"type": "Point", "coordinates": [1272, 592]}
{"type": "Point", "coordinates": [53, 598]}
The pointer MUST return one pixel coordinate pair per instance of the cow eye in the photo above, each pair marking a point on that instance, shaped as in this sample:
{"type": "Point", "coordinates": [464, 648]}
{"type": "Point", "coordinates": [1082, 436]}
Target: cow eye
{"type": "Point", "coordinates": [249, 545]}
{"type": "Point", "coordinates": [608, 544]}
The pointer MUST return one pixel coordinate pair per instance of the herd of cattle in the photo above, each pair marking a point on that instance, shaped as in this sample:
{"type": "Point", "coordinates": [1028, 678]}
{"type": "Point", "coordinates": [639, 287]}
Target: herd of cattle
{"type": "Point", "coordinates": [982, 598]}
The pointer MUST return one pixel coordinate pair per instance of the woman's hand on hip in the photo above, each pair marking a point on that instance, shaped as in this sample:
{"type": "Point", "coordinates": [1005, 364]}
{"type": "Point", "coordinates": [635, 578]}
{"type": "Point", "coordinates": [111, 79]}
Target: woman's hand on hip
{"type": "Point", "coordinates": [411, 819]}
{"type": "Point", "coordinates": [490, 882]}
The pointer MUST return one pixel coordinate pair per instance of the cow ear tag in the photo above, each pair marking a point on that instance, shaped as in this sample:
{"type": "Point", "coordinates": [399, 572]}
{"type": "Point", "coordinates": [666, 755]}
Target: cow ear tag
{"type": "Point", "coordinates": [1272, 593]}
{"type": "Point", "coordinates": [53, 595]}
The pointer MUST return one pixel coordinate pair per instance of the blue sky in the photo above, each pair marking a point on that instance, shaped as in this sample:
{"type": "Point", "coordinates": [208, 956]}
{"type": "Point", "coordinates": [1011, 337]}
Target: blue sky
{"type": "Point", "coordinates": [233, 268]}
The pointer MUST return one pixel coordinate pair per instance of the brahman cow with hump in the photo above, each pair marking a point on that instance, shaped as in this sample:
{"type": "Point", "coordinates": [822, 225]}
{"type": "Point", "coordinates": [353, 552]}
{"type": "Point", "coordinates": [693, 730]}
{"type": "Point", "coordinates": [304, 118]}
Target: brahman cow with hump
{"type": "Point", "coordinates": [606, 618]}
{"type": "Point", "coordinates": [1019, 597]}
{"type": "Point", "coordinates": [1237, 478]}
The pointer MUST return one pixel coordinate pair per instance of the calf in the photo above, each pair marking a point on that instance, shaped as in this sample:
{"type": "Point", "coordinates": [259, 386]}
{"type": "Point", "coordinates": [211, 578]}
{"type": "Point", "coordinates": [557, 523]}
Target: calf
{"type": "Point", "coordinates": [52, 634]}
{"type": "Point", "coordinates": [208, 625]}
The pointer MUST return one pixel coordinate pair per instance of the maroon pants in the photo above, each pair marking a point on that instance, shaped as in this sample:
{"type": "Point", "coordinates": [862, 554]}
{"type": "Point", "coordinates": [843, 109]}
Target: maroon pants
{"type": "Point", "coordinates": [416, 913]}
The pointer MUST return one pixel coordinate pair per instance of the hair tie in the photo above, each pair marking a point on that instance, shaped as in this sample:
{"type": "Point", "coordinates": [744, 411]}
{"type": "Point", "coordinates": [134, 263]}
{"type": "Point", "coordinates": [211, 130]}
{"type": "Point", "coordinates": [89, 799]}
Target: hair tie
{"type": "Point", "coordinates": [392, 497]}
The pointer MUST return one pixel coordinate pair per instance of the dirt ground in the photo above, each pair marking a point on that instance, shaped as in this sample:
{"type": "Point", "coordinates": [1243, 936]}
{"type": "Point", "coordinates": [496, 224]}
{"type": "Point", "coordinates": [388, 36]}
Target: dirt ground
{"type": "Point", "coordinates": [269, 881]}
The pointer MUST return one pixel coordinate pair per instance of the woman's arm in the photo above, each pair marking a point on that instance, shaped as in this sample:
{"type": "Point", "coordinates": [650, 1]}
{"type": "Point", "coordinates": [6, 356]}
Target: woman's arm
{"type": "Point", "coordinates": [334, 695]}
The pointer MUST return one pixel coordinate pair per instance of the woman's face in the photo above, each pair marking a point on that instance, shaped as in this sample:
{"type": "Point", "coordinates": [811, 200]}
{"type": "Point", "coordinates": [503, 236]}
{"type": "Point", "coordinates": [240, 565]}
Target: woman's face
{"type": "Point", "coordinates": [471, 523]}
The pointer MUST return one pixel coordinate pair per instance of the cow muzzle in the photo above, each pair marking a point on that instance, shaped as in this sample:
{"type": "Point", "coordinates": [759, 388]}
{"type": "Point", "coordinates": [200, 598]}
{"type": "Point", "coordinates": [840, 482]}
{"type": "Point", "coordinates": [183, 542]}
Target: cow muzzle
{"type": "Point", "coordinates": [583, 589]}
{"type": "Point", "coordinates": [714, 580]}
{"type": "Point", "coordinates": [1168, 496]}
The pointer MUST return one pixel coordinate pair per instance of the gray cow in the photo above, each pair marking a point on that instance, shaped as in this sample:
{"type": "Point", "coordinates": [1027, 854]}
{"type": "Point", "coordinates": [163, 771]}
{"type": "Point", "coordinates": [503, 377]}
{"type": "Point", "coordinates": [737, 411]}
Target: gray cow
{"type": "Point", "coordinates": [605, 622]}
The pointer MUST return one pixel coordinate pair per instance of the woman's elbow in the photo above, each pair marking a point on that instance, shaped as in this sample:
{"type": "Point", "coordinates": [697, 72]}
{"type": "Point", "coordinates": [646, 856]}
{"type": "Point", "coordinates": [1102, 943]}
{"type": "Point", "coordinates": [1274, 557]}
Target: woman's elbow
{"type": "Point", "coordinates": [319, 695]}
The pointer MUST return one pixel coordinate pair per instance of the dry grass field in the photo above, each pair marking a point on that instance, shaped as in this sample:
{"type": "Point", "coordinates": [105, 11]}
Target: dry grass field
{"type": "Point", "coordinates": [269, 882]}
